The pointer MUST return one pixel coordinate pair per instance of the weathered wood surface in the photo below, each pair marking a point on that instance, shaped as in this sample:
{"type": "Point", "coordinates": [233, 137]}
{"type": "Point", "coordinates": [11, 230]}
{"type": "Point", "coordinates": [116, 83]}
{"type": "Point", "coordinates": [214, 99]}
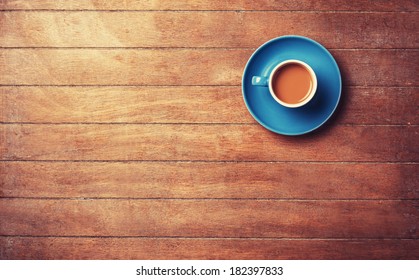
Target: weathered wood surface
{"type": "Point", "coordinates": [198, 248]}
{"type": "Point", "coordinates": [205, 142]}
{"type": "Point", "coordinates": [123, 134]}
{"type": "Point", "coordinates": [185, 67]}
{"type": "Point", "coordinates": [204, 29]}
{"type": "Point", "coordinates": [180, 104]}
{"type": "Point", "coordinates": [275, 180]}
{"type": "Point", "coordinates": [305, 5]}
{"type": "Point", "coordinates": [210, 218]}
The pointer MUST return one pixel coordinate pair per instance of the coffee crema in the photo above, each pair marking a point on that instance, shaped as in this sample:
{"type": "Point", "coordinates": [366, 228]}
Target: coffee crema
{"type": "Point", "coordinates": [292, 83]}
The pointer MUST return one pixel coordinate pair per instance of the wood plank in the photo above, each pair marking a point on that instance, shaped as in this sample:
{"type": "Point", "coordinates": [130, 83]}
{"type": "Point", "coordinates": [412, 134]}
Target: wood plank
{"type": "Point", "coordinates": [202, 249]}
{"type": "Point", "coordinates": [359, 105]}
{"type": "Point", "coordinates": [123, 105]}
{"type": "Point", "coordinates": [184, 66]}
{"type": "Point", "coordinates": [204, 29]}
{"type": "Point", "coordinates": [205, 142]}
{"type": "Point", "coordinates": [208, 180]}
{"type": "Point", "coordinates": [210, 218]}
{"type": "Point", "coordinates": [284, 5]}
{"type": "Point", "coordinates": [379, 106]}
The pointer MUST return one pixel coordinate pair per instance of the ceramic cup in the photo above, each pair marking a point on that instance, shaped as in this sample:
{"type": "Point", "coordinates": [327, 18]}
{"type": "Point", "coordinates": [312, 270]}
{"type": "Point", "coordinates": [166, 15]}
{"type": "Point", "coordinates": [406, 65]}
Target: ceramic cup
{"type": "Point", "coordinates": [287, 80]}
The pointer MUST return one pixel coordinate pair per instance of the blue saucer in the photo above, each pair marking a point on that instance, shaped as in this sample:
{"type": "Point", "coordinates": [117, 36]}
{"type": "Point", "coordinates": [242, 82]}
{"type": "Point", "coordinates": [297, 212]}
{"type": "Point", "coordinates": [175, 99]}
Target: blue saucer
{"type": "Point", "coordinates": [292, 121]}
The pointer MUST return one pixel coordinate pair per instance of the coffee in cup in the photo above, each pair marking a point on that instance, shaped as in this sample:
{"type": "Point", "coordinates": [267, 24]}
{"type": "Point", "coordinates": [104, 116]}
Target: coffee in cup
{"type": "Point", "coordinates": [292, 83]}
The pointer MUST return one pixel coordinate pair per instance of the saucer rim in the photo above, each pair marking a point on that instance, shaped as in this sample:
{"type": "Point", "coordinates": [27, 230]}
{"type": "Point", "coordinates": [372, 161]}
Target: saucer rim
{"type": "Point", "coordinates": [283, 38]}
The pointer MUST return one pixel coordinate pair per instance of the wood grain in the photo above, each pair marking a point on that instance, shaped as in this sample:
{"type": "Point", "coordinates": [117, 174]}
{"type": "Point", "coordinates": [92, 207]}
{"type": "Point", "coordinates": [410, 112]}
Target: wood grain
{"type": "Point", "coordinates": [123, 133]}
{"type": "Point", "coordinates": [184, 67]}
{"type": "Point", "coordinates": [210, 218]}
{"type": "Point", "coordinates": [180, 104]}
{"type": "Point", "coordinates": [232, 249]}
{"type": "Point", "coordinates": [209, 180]}
{"type": "Point", "coordinates": [205, 142]}
{"type": "Point", "coordinates": [203, 29]}
{"type": "Point", "coordinates": [123, 104]}
{"type": "Point", "coordinates": [351, 5]}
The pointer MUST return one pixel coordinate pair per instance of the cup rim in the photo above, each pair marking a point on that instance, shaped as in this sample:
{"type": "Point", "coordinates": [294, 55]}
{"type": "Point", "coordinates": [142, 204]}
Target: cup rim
{"type": "Point", "coordinates": [313, 77]}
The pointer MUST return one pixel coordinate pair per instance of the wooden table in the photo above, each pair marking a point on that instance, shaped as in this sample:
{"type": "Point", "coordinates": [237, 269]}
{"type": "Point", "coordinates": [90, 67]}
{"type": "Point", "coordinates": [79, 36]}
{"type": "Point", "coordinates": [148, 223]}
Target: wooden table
{"type": "Point", "coordinates": [124, 134]}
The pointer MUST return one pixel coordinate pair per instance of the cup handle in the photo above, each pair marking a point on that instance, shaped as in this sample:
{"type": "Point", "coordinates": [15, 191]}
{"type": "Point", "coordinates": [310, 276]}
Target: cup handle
{"type": "Point", "coordinates": [260, 81]}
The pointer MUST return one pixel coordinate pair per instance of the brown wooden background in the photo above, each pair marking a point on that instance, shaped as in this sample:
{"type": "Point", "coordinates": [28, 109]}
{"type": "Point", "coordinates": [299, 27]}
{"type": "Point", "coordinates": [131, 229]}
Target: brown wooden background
{"type": "Point", "coordinates": [124, 134]}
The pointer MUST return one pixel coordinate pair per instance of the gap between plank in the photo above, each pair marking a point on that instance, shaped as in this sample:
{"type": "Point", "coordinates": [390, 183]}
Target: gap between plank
{"type": "Point", "coordinates": [179, 86]}
{"type": "Point", "coordinates": [213, 161]}
{"type": "Point", "coordinates": [186, 85]}
{"type": "Point", "coordinates": [206, 237]}
{"type": "Point", "coordinates": [141, 123]}
{"type": "Point", "coordinates": [191, 48]}
{"type": "Point", "coordinates": [185, 123]}
{"type": "Point", "coordinates": [212, 198]}
{"type": "Point", "coordinates": [210, 11]}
